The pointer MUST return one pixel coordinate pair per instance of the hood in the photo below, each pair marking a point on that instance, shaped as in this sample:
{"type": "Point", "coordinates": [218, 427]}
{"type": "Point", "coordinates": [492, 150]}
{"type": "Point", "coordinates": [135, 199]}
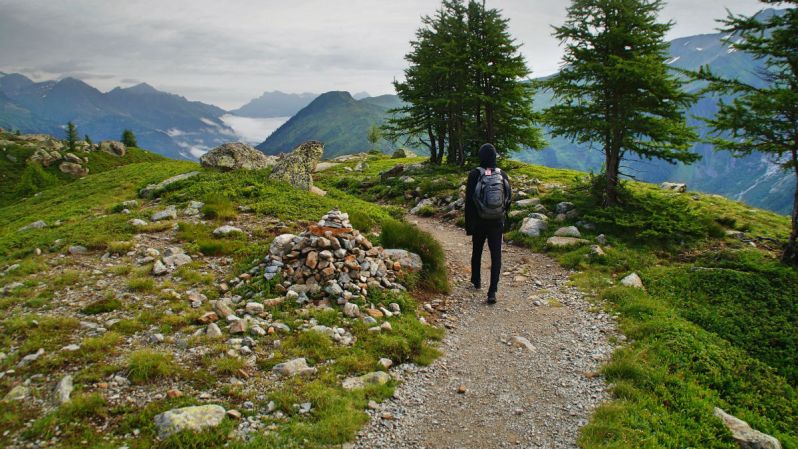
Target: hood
{"type": "Point", "coordinates": [487, 156]}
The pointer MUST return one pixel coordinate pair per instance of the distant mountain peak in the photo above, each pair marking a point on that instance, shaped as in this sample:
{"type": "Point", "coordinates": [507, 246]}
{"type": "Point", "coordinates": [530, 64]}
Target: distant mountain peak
{"type": "Point", "coordinates": [142, 88]}
{"type": "Point", "coordinates": [361, 95]}
{"type": "Point", "coordinates": [274, 104]}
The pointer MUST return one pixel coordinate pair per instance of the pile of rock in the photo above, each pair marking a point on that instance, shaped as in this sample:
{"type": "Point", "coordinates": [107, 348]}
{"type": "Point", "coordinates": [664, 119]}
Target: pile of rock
{"type": "Point", "coordinates": [335, 261]}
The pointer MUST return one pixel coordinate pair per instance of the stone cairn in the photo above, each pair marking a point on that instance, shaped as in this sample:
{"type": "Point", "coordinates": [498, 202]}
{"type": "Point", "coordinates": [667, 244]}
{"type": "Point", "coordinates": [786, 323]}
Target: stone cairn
{"type": "Point", "coordinates": [333, 261]}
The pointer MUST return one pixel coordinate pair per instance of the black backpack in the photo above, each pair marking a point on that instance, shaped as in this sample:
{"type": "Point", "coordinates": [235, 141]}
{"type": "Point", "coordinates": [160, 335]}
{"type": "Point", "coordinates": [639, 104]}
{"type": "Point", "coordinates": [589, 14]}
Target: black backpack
{"type": "Point", "coordinates": [491, 194]}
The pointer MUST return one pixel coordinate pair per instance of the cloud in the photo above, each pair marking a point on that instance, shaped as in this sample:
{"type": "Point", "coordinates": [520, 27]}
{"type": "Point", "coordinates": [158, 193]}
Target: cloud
{"type": "Point", "coordinates": [229, 52]}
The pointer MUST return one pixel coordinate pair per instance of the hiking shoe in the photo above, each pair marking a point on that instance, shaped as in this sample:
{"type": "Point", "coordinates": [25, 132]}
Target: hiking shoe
{"type": "Point", "coordinates": [476, 285]}
{"type": "Point", "coordinates": [492, 299]}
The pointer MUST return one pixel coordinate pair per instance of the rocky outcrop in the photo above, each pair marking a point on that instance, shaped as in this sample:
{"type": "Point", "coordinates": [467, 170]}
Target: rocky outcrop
{"type": "Point", "coordinates": [674, 187]}
{"type": "Point", "coordinates": [236, 156]}
{"type": "Point", "coordinates": [45, 157]}
{"type": "Point", "coordinates": [296, 167]}
{"type": "Point", "coordinates": [154, 190]}
{"type": "Point", "coordinates": [196, 418]}
{"type": "Point", "coordinates": [73, 169]}
{"type": "Point", "coordinates": [744, 435]}
{"type": "Point", "coordinates": [113, 147]}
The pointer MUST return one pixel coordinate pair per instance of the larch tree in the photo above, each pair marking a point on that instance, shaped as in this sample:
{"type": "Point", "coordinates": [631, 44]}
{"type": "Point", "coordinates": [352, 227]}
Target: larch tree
{"type": "Point", "coordinates": [71, 136]}
{"type": "Point", "coordinates": [467, 84]}
{"type": "Point", "coordinates": [616, 90]}
{"type": "Point", "coordinates": [763, 119]}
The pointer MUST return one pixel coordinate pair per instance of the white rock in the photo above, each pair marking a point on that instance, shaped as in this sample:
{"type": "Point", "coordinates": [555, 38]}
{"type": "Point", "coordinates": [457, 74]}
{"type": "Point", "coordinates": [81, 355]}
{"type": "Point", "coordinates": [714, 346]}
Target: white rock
{"type": "Point", "coordinates": [254, 308]}
{"type": "Point", "coordinates": [295, 367]}
{"type": "Point", "coordinates": [64, 389]}
{"type": "Point", "coordinates": [522, 342]}
{"type": "Point", "coordinates": [159, 268]}
{"type": "Point", "coordinates": [632, 280]}
{"type": "Point", "coordinates": [170, 213]}
{"type": "Point", "coordinates": [746, 437]}
{"type": "Point", "coordinates": [213, 331]}
{"type": "Point", "coordinates": [533, 226]}
{"type": "Point", "coordinates": [568, 231]}
{"type": "Point", "coordinates": [196, 418]}
{"type": "Point", "coordinates": [227, 230]}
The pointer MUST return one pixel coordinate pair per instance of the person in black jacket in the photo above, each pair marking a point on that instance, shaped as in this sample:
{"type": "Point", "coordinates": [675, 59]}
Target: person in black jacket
{"type": "Point", "coordinates": [482, 229]}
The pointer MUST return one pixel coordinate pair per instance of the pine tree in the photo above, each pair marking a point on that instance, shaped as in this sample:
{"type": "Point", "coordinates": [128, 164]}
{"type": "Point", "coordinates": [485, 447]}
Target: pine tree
{"type": "Point", "coordinates": [87, 139]}
{"type": "Point", "coordinates": [465, 86]}
{"type": "Point", "coordinates": [763, 119]}
{"type": "Point", "coordinates": [374, 135]}
{"type": "Point", "coordinates": [71, 136]}
{"type": "Point", "coordinates": [129, 139]}
{"type": "Point", "coordinates": [615, 88]}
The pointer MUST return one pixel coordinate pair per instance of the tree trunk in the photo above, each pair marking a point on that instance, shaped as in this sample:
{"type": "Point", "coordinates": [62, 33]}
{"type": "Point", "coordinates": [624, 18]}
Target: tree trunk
{"type": "Point", "coordinates": [613, 164]}
{"type": "Point", "coordinates": [790, 255]}
{"type": "Point", "coordinates": [433, 149]}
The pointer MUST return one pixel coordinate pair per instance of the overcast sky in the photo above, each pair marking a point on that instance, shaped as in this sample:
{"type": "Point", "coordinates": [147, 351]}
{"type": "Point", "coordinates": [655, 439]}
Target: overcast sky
{"type": "Point", "coordinates": [227, 52]}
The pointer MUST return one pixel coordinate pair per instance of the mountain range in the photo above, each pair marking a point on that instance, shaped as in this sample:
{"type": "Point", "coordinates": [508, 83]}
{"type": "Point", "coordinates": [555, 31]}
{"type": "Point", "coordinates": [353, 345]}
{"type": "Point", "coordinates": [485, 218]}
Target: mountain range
{"type": "Point", "coordinates": [166, 123]}
{"type": "Point", "coordinates": [178, 128]}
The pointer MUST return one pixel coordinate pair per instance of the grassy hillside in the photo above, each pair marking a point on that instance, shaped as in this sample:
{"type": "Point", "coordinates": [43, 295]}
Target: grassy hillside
{"type": "Point", "coordinates": [714, 326]}
{"type": "Point", "coordinates": [141, 347]}
{"type": "Point", "coordinates": [19, 179]}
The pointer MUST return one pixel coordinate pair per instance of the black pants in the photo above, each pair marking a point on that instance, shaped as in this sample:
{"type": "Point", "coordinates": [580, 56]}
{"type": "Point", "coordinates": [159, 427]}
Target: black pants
{"type": "Point", "coordinates": [493, 234]}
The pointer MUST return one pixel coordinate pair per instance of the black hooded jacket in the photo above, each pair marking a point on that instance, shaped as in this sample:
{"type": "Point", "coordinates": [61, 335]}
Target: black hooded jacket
{"type": "Point", "coordinates": [487, 159]}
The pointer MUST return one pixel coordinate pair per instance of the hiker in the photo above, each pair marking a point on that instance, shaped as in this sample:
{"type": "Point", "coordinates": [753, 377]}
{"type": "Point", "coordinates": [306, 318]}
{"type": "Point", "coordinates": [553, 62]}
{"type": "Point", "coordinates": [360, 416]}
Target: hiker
{"type": "Point", "coordinates": [488, 196]}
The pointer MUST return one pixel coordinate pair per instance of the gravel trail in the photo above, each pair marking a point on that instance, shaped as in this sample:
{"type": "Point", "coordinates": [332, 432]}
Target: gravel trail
{"type": "Point", "coordinates": [487, 390]}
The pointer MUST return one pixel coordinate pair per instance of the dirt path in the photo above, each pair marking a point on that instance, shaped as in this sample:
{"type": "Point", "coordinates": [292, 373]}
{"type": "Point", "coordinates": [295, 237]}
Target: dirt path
{"type": "Point", "coordinates": [514, 396]}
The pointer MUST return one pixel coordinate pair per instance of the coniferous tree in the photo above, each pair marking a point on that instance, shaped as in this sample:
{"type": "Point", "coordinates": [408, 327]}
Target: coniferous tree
{"type": "Point", "coordinates": [71, 136]}
{"type": "Point", "coordinates": [129, 139]}
{"type": "Point", "coordinates": [615, 88]}
{"type": "Point", "coordinates": [374, 135]}
{"type": "Point", "coordinates": [465, 86]}
{"type": "Point", "coordinates": [763, 119]}
{"type": "Point", "coordinates": [88, 140]}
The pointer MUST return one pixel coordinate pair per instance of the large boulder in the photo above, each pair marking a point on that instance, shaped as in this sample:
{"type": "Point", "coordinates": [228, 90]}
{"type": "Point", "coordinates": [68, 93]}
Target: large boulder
{"type": "Point", "coordinates": [744, 435]}
{"type": "Point", "coordinates": [196, 418]}
{"type": "Point", "coordinates": [44, 157]}
{"type": "Point", "coordinates": [236, 156]}
{"type": "Point", "coordinates": [153, 190]}
{"type": "Point", "coordinates": [113, 147]}
{"type": "Point", "coordinates": [73, 169]}
{"type": "Point", "coordinates": [534, 225]}
{"type": "Point", "coordinates": [296, 167]}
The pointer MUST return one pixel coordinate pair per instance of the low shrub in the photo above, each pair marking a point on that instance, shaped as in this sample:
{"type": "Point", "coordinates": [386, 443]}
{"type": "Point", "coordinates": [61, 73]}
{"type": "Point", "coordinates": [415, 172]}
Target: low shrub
{"type": "Point", "coordinates": [396, 234]}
